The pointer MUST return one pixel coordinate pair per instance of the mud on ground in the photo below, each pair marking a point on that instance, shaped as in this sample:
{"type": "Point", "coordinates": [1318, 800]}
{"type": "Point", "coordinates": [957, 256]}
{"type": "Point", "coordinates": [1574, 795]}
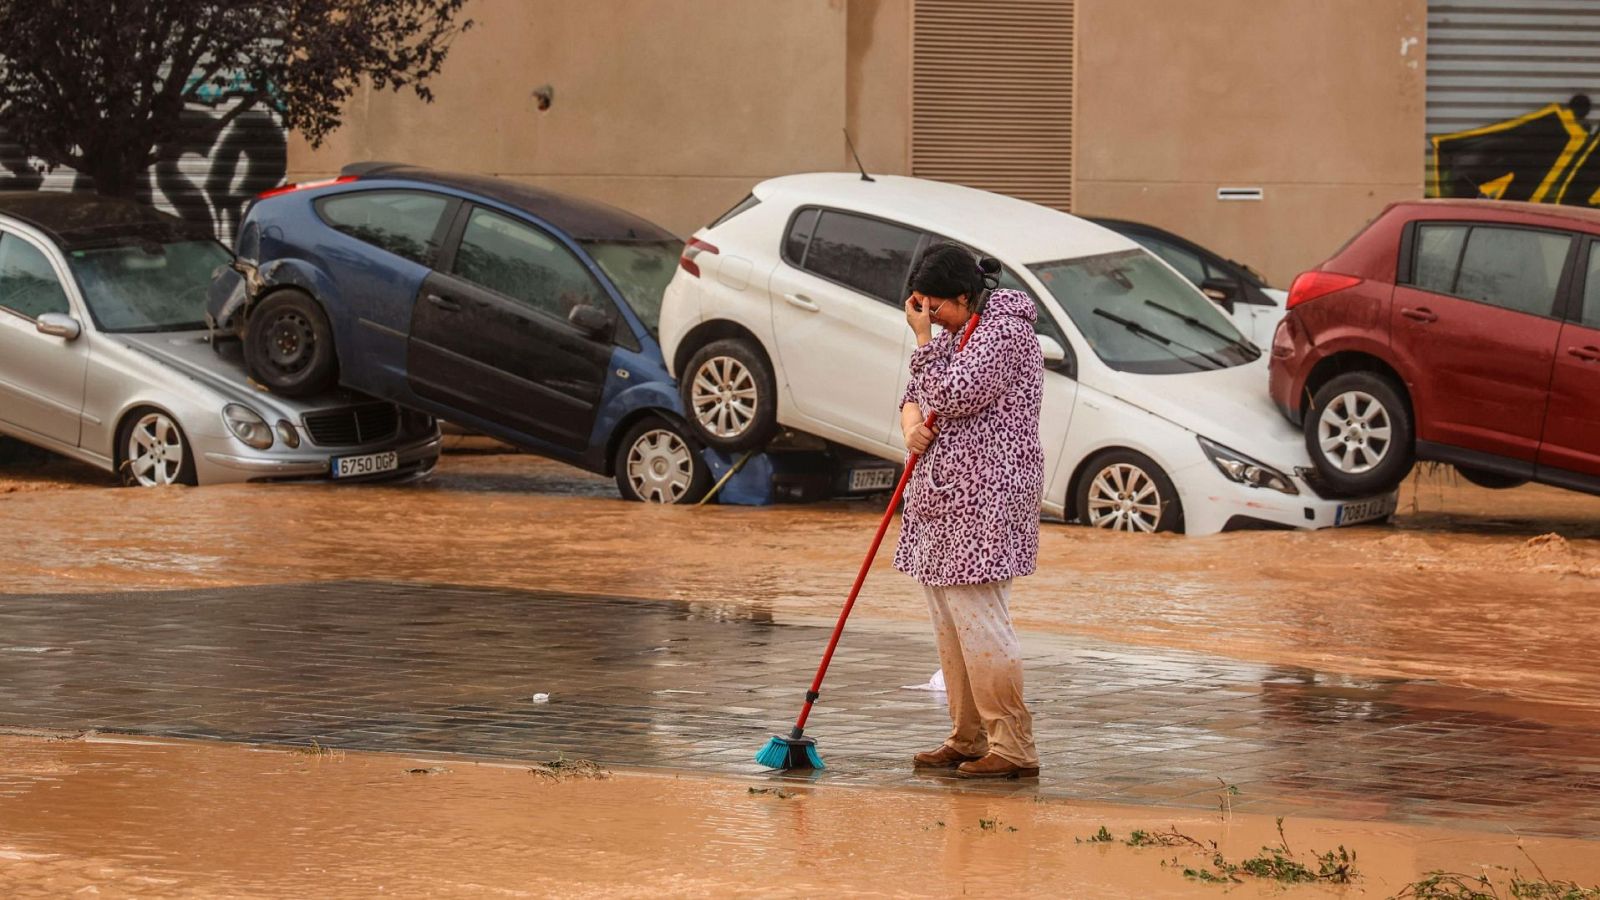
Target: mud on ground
{"type": "Point", "coordinates": [120, 817]}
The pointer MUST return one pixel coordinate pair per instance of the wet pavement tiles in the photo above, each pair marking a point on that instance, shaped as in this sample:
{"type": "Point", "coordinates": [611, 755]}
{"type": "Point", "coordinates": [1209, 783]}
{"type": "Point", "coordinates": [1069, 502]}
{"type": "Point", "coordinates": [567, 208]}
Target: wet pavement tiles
{"type": "Point", "coordinates": [688, 686]}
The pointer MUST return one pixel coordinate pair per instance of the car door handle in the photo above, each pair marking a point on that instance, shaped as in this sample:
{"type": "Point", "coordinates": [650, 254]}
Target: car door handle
{"type": "Point", "coordinates": [442, 303]}
{"type": "Point", "coordinates": [1587, 354]}
{"type": "Point", "coordinates": [1421, 314]}
{"type": "Point", "coordinates": [802, 301]}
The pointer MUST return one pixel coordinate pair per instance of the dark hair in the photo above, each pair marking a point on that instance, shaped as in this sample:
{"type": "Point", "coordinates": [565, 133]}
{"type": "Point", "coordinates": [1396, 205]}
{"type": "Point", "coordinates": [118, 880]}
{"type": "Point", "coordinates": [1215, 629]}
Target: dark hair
{"type": "Point", "coordinates": [947, 270]}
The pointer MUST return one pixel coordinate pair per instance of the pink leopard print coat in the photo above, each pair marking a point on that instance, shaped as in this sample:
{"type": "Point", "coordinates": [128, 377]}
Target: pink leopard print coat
{"type": "Point", "coordinates": [972, 508]}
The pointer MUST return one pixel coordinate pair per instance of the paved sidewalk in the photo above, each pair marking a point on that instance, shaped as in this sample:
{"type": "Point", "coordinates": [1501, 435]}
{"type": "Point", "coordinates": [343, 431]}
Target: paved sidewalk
{"type": "Point", "coordinates": [415, 668]}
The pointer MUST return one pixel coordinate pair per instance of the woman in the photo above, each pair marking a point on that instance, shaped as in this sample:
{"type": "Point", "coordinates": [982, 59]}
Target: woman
{"type": "Point", "coordinates": [971, 520]}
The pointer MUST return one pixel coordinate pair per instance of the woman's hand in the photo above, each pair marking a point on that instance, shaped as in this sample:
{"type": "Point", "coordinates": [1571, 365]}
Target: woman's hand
{"type": "Point", "coordinates": [919, 437]}
{"type": "Point", "coordinates": [917, 317]}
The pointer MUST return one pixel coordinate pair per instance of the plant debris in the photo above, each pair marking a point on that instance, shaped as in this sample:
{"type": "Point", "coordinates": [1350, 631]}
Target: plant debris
{"type": "Point", "coordinates": [427, 770]}
{"type": "Point", "coordinates": [563, 769]}
{"type": "Point", "coordinates": [780, 793]}
{"type": "Point", "coordinates": [316, 749]}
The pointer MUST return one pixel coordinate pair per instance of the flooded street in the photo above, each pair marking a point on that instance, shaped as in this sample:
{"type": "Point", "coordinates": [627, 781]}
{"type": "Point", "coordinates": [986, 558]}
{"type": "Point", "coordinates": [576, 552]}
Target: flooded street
{"type": "Point", "coordinates": [181, 819]}
{"type": "Point", "coordinates": [1497, 590]}
{"type": "Point", "coordinates": [1420, 694]}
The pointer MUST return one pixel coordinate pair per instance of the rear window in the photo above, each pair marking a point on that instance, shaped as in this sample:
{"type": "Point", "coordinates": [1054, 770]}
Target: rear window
{"type": "Point", "coordinates": [868, 255]}
{"type": "Point", "coordinates": [404, 223]}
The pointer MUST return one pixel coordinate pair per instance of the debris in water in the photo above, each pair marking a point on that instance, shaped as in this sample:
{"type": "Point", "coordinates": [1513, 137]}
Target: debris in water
{"type": "Point", "coordinates": [540, 698]}
{"type": "Point", "coordinates": [428, 770]}
{"type": "Point", "coordinates": [563, 769]}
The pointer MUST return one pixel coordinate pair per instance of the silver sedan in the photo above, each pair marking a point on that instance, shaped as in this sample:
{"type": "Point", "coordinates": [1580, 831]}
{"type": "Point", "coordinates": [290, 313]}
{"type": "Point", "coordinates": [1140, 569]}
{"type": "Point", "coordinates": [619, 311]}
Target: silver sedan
{"type": "Point", "coordinates": [104, 358]}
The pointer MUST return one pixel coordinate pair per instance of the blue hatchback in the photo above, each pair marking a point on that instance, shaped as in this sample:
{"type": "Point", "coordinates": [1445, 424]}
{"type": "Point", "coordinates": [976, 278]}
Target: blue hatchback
{"type": "Point", "coordinates": [522, 313]}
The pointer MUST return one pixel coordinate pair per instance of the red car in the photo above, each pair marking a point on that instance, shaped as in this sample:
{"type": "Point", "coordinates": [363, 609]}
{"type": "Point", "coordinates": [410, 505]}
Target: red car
{"type": "Point", "coordinates": [1461, 331]}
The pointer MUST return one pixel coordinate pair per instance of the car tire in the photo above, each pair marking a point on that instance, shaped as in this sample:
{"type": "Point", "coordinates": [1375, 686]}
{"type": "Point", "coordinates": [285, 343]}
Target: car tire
{"type": "Point", "coordinates": [730, 395]}
{"type": "Point", "coordinates": [1494, 481]}
{"type": "Point", "coordinates": [288, 345]}
{"type": "Point", "coordinates": [1123, 490]}
{"type": "Point", "coordinates": [1359, 434]}
{"type": "Point", "coordinates": [658, 461]}
{"type": "Point", "coordinates": [153, 451]}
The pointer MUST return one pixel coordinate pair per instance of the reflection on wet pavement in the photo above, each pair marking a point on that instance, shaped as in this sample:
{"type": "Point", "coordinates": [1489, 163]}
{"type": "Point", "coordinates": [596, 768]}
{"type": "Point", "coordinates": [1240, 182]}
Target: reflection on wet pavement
{"type": "Point", "coordinates": [699, 686]}
{"type": "Point", "coordinates": [1466, 589]}
{"type": "Point", "coordinates": [179, 819]}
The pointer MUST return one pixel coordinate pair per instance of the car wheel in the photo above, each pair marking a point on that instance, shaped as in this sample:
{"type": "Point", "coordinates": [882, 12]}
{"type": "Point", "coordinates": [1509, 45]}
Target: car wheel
{"type": "Point", "coordinates": [288, 345]}
{"type": "Point", "coordinates": [658, 462]}
{"type": "Point", "coordinates": [730, 395]}
{"type": "Point", "coordinates": [1126, 491]}
{"type": "Point", "coordinates": [155, 452]}
{"type": "Point", "coordinates": [1494, 481]}
{"type": "Point", "coordinates": [1358, 432]}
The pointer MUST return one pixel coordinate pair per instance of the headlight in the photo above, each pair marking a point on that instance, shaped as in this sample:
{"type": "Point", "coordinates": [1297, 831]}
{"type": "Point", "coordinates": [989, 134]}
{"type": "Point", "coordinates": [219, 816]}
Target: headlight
{"type": "Point", "coordinates": [247, 426]}
{"type": "Point", "coordinates": [287, 434]}
{"type": "Point", "coordinates": [1242, 469]}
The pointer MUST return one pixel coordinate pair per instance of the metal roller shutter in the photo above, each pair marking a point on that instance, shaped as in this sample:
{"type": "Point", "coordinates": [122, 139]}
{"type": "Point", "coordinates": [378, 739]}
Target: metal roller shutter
{"type": "Point", "coordinates": [1510, 84]}
{"type": "Point", "coordinates": [208, 182]}
{"type": "Point", "coordinates": [991, 102]}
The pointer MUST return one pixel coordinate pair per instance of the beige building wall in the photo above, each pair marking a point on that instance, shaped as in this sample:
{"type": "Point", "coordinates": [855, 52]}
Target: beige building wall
{"type": "Point", "coordinates": [1317, 102]}
{"type": "Point", "coordinates": [674, 108]}
{"type": "Point", "coordinates": [670, 109]}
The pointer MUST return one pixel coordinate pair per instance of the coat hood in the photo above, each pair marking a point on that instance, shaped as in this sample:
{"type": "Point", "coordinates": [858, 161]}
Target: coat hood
{"type": "Point", "coordinates": [1007, 302]}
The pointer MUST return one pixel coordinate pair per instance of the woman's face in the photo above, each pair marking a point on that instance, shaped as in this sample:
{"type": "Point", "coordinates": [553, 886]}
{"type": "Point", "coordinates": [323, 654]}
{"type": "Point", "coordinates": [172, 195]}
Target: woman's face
{"type": "Point", "coordinates": [951, 314]}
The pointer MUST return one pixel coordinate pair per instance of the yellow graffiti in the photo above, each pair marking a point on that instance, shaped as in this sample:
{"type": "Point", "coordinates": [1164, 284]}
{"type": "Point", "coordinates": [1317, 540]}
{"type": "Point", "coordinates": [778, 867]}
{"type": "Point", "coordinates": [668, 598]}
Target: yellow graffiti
{"type": "Point", "coordinates": [1496, 189]}
{"type": "Point", "coordinates": [1552, 186]}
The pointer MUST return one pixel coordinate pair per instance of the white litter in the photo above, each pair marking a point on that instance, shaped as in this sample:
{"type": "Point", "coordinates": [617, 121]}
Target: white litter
{"type": "Point", "coordinates": [936, 683]}
{"type": "Point", "coordinates": [541, 698]}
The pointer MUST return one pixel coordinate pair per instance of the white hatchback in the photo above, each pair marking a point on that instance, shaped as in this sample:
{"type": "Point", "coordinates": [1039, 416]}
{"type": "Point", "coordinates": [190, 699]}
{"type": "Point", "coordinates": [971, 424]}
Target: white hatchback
{"type": "Point", "coordinates": [787, 312]}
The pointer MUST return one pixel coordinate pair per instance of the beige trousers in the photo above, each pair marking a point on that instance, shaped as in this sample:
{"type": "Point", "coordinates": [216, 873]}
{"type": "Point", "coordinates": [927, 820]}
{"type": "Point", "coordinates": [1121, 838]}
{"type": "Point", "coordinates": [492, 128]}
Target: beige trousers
{"type": "Point", "coordinates": [982, 661]}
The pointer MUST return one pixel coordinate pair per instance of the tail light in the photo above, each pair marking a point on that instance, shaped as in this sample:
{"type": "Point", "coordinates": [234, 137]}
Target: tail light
{"type": "Point", "coordinates": [694, 248]}
{"type": "Point", "coordinates": [305, 186]}
{"type": "Point", "coordinates": [1311, 285]}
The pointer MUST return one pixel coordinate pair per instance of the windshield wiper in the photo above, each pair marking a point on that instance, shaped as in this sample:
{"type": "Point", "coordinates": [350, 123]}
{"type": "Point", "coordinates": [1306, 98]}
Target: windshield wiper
{"type": "Point", "coordinates": [1162, 341]}
{"type": "Point", "coordinates": [1248, 349]}
{"type": "Point", "coordinates": [158, 329]}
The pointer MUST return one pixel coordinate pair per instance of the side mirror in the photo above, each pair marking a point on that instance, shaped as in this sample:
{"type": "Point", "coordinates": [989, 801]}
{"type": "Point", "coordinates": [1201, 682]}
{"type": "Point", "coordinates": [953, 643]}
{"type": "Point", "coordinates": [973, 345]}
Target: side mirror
{"type": "Point", "coordinates": [1055, 356]}
{"type": "Point", "coordinates": [59, 325]}
{"type": "Point", "coordinates": [592, 320]}
{"type": "Point", "coordinates": [1222, 291]}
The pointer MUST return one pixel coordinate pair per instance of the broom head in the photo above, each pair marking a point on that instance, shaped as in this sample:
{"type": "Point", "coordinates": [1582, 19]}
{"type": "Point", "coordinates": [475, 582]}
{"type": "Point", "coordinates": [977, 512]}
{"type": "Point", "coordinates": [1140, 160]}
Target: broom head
{"type": "Point", "coordinates": [790, 753]}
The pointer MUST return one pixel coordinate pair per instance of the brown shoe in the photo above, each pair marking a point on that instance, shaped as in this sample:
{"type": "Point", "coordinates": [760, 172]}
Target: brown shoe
{"type": "Point", "coordinates": [946, 757]}
{"type": "Point", "coordinates": [994, 766]}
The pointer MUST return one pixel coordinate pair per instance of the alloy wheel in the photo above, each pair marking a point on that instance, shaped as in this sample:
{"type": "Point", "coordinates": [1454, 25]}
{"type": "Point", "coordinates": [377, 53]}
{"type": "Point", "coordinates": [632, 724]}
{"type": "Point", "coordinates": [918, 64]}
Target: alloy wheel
{"type": "Point", "coordinates": [724, 397]}
{"type": "Point", "coordinates": [1354, 432]}
{"type": "Point", "coordinates": [155, 451]}
{"type": "Point", "coordinates": [660, 466]}
{"type": "Point", "coordinates": [1123, 497]}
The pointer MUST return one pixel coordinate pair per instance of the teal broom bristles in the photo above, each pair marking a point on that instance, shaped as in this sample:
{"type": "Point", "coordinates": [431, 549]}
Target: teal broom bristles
{"type": "Point", "coordinates": [792, 752]}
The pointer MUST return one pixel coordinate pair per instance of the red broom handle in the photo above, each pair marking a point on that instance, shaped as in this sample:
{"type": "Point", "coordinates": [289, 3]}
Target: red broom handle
{"type": "Point", "coordinates": [866, 564]}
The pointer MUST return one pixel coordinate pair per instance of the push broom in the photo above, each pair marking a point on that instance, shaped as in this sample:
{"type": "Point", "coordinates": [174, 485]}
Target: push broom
{"type": "Point", "coordinates": [798, 751]}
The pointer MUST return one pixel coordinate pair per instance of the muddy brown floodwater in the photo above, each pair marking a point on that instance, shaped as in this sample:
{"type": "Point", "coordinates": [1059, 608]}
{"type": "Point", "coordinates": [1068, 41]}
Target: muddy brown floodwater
{"type": "Point", "coordinates": [129, 817]}
{"type": "Point", "coordinates": [1488, 589]}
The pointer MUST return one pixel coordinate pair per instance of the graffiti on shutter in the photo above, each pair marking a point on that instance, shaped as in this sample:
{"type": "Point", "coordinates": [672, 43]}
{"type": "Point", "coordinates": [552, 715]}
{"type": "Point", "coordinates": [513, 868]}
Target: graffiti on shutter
{"type": "Point", "coordinates": [1509, 88]}
{"type": "Point", "coordinates": [207, 182]}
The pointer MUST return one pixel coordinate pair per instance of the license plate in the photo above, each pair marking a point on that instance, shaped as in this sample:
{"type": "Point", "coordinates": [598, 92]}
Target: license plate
{"type": "Point", "coordinates": [1363, 511]}
{"type": "Point", "coordinates": [871, 479]}
{"type": "Point", "coordinates": [370, 464]}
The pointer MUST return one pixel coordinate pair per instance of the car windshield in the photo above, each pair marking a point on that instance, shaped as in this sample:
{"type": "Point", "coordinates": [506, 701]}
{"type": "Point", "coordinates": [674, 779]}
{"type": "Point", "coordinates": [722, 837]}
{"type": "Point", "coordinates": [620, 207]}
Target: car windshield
{"type": "Point", "coordinates": [147, 286]}
{"type": "Point", "coordinates": [640, 270]}
{"type": "Point", "coordinates": [1141, 317]}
